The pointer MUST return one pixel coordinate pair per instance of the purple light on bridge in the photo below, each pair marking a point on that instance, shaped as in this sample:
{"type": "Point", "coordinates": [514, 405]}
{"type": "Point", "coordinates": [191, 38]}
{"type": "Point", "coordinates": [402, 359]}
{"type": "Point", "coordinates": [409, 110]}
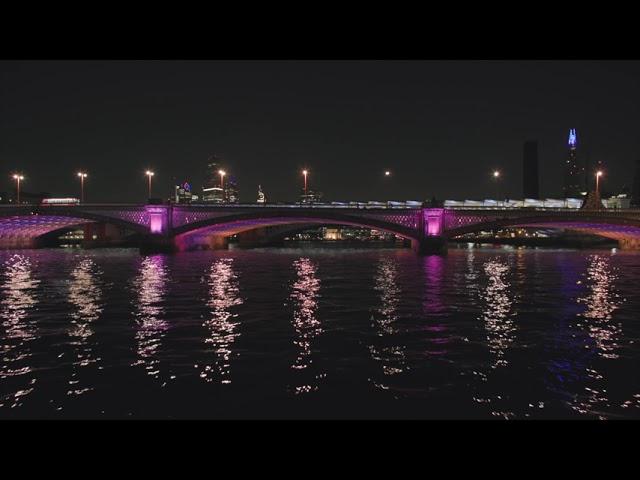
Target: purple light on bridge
{"type": "Point", "coordinates": [157, 219]}
{"type": "Point", "coordinates": [434, 221]}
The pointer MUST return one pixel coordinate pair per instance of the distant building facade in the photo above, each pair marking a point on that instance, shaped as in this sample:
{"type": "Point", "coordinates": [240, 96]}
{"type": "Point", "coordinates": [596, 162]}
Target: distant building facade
{"type": "Point", "coordinates": [183, 194]}
{"type": "Point", "coordinates": [530, 173]}
{"type": "Point", "coordinates": [231, 190]}
{"type": "Point", "coordinates": [311, 197]}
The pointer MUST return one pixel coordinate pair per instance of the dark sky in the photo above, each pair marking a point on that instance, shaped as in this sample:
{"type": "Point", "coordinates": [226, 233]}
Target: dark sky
{"type": "Point", "coordinates": [440, 126]}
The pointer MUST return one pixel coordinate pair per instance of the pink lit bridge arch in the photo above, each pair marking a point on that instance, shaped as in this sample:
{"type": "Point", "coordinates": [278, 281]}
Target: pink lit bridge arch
{"type": "Point", "coordinates": [186, 226]}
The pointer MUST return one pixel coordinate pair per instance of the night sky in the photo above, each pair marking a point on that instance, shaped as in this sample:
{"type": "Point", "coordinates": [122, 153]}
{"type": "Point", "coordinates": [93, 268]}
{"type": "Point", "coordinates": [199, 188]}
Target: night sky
{"type": "Point", "coordinates": [441, 127]}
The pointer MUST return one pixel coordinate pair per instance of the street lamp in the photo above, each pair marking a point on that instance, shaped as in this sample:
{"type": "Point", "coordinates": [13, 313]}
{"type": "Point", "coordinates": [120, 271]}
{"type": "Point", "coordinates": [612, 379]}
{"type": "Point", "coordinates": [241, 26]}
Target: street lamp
{"type": "Point", "coordinates": [496, 176]}
{"type": "Point", "coordinates": [17, 177]}
{"type": "Point", "coordinates": [387, 173]}
{"type": "Point", "coordinates": [82, 176]}
{"type": "Point", "coordinates": [305, 173]}
{"type": "Point", "coordinates": [149, 174]}
{"type": "Point", "coordinates": [599, 173]}
{"type": "Point", "coordinates": [222, 173]}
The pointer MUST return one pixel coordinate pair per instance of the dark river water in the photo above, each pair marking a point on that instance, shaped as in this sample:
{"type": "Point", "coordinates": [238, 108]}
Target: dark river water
{"type": "Point", "coordinates": [507, 333]}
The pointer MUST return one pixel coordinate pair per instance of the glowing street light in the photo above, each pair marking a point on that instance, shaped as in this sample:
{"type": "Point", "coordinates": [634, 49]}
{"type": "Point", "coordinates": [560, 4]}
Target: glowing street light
{"type": "Point", "coordinates": [17, 177]}
{"type": "Point", "coordinates": [496, 176]}
{"type": "Point", "coordinates": [82, 176]}
{"type": "Point", "coordinates": [387, 173]}
{"type": "Point", "coordinates": [305, 173]}
{"type": "Point", "coordinates": [599, 173]}
{"type": "Point", "coordinates": [149, 174]}
{"type": "Point", "coordinates": [222, 173]}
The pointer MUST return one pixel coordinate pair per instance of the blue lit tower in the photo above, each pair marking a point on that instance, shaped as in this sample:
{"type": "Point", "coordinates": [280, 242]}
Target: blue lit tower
{"type": "Point", "coordinates": [573, 172]}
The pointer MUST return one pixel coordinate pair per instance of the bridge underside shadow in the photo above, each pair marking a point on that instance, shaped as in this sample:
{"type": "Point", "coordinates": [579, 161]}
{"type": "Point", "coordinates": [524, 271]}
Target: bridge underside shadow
{"type": "Point", "coordinates": [31, 231]}
{"type": "Point", "coordinates": [37, 231]}
{"type": "Point", "coordinates": [627, 235]}
{"type": "Point", "coordinates": [260, 232]}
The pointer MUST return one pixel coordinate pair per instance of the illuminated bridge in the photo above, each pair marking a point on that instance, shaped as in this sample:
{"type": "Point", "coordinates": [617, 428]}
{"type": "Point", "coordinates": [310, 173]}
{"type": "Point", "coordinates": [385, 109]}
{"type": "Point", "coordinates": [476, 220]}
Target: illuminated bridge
{"type": "Point", "coordinates": [185, 227]}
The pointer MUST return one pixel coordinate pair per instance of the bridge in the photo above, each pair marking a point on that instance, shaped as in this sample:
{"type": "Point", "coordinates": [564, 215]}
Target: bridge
{"type": "Point", "coordinates": [185, 227]}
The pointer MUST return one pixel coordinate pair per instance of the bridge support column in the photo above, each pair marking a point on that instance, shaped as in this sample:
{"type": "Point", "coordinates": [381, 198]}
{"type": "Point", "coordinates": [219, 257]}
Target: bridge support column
{"type": "Point", "coordinates": [159, 238]}
{"type": "Point", "coordinates": [431, 227]}
{"type": "Point", "coordinates": [430, 246]}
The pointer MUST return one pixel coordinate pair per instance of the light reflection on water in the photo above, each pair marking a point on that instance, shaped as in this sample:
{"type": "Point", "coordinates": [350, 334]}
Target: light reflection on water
{"type": "Point", "coordinates": [223, 296]}
{"type": "Point", "coordinates": [304, 294]}
{"type": "Point", "coordinates": [85, 296]}
{"type": "Point", "coordinates": [19, 291]}
{"type": "Point", "coordinates": [481, 333]}
{"type": "Point", "coordinates": [601, 301]}
{"type": "Point", "coordinates": [390, 355]}
{"type": "Point", "coordinates": [150, 286]}
{"type": "Point", "coordinates": [498, 311]}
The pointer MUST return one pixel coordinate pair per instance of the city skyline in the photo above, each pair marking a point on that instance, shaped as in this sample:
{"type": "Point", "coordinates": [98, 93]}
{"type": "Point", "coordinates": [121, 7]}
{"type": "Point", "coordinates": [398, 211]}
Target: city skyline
{"type": "Point", "coordinates": [577, 180]}
{"type": "Point", "coordinates": [295, 115]}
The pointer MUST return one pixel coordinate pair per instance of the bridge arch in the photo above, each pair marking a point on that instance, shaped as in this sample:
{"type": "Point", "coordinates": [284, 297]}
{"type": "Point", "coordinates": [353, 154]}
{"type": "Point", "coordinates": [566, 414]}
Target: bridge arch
{"type": "Point", "coordinates": [24, 226]}
{"type": "Point", "coordinates": [224, 226]}
{"type": "Point", "coordinates": [623, 229]}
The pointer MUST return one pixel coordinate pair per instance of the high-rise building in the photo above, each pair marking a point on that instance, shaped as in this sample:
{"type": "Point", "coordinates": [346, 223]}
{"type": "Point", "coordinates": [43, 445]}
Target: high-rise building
{"type": "Point", "coordinates": [217, 188]}
{"type": "Point", "coordinates": [574, 172]}
{"type": "Point", "coordinates": [212, 189]}
{"type": "Point", "coordinates": [231, 190]}
{"type": "Point", "coordinates": [530, 174]}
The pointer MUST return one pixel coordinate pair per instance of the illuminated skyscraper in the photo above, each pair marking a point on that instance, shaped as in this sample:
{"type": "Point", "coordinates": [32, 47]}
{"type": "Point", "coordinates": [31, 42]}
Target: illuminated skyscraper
{"type": "Point", "coordinates": [211, 189]}
{"type": "Point", "coordinates": [530, 176]}
{"type": "Point", "coordinates": [574, 172]}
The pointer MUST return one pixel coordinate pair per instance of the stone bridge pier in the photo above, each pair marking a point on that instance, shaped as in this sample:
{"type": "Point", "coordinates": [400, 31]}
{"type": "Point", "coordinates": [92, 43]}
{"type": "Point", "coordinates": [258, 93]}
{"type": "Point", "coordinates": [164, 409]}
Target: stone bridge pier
{"type": "Point", "coordinates": [431, 239]}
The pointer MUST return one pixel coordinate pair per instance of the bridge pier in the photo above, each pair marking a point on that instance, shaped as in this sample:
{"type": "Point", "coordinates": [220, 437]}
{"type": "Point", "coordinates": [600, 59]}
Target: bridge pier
{"type": "Point", "coordinates": [430, 246]}
{"type": "Point", "coordinates": [157, 244]}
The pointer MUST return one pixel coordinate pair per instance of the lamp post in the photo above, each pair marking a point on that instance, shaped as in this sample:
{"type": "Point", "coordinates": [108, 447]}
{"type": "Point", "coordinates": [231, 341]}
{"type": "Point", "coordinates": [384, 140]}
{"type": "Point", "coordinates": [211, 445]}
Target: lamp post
{"type": "Point", "coordinates": [222, 173]}
{"type": "Point", "coordinates": [82, 176]}
{"type": "Point", "coordinates": [496, 176]}
{"type": "Point", "coordinates": [17, 177]}
{"type": "Point", "coordinates": [305, 173]}
{"type": "Point", "coordinates": [149, 174]}
{"type": "Point", "coordinates": [598, 175]}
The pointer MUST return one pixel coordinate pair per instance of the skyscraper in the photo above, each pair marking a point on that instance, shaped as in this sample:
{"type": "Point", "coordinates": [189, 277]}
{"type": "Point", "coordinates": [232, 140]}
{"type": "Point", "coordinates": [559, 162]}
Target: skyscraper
{"type": "Point", "coordinates": [530, 175]}
{"type": "Point", "coordinates": [212, 191]}
{"type": "Point", "coordinates": [573, 172]}
{"type": "Point", "coordinates": [231, 190]}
